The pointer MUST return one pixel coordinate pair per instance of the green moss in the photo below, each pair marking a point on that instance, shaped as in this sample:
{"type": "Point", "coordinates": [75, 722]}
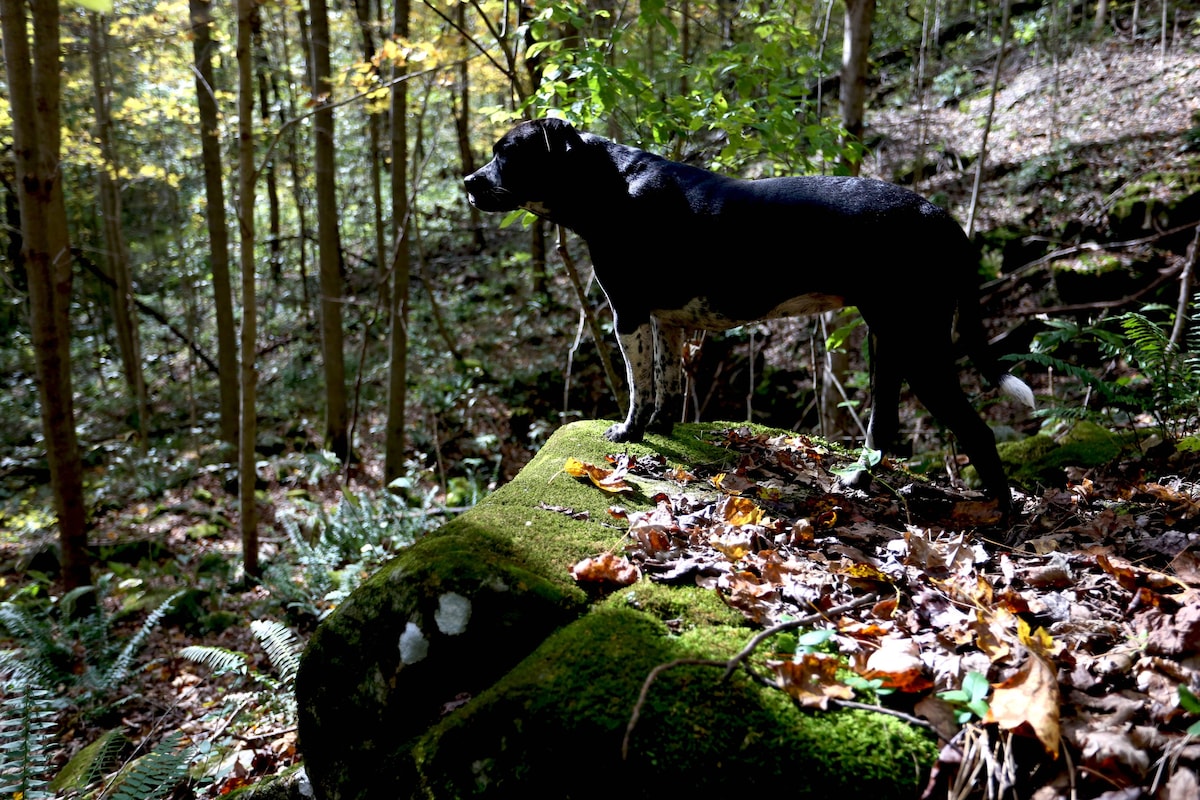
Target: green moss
{"type": "Point", "coordinates": [1041, 458]}
{"type": "Point", "coordinates": [684, 606]}
{"type": "Point", "coordinates": [571, 701]}
{"type": "Point", "coordinates": [375, 724]}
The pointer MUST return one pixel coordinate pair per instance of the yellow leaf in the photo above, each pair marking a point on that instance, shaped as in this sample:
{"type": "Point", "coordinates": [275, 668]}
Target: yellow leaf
{"type": "Point", "coordinates": [739, 510]}
{"type": "Point", "coordinates": [1040, 642]}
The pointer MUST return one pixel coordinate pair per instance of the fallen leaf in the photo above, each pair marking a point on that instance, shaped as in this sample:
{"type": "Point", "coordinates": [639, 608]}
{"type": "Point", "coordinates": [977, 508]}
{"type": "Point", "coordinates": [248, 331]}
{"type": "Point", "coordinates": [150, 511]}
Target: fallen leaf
{"type": "Point", "coordinates": [811, 678]}
{"type": "Point", "coordinates": [1029, 701]}
{"type": "Point", "coordinates": [607, 568]}
{"type": "Point", "coordinates": [610, 480]}
{"type": "Point", "coordinates": [898, 664]}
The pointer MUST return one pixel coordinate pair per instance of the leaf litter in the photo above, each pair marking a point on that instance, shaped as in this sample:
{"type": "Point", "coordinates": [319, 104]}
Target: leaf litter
{"type": "Point", "coordinates": [1066, 666]}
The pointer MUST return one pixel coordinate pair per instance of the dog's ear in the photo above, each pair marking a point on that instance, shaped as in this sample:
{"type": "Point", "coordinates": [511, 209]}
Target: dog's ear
{"type": "Point", "coordinates": [561, 137]}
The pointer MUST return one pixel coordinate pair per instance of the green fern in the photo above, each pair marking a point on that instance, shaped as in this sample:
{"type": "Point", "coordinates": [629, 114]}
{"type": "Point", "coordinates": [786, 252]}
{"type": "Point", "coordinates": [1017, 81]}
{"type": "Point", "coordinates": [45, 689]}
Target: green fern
{"type": "Point", "coordinates": [219, 659]}
{"type": "Point", "coordinates": [283, 648]}
{"type": "Point", "coordinates": [106, 679]}
{"type": "Point", "coordinates": [154, 775]}
{"type": "Point", "coordinates": [27, 738]}
{"type": "Point", "coordinates": [90, 764]}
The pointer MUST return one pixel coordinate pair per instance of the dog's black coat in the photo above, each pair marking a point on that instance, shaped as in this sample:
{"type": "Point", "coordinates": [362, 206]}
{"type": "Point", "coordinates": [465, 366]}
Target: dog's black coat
{"type": "Point", "coordinates": [677, 247]}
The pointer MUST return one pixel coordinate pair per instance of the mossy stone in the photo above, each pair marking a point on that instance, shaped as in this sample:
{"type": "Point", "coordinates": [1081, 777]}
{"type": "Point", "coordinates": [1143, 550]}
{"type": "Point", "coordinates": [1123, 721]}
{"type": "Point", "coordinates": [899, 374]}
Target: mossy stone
{"type": "Point", "coordinates": [476, 640]}
{"type": "Point", "coordinates": [554, 727]}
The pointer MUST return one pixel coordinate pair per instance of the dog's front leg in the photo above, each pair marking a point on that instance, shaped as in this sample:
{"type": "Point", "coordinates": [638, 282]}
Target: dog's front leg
{"type": "Point", "coordinates": [668, 377]}
{"type": "Point", "coordinates": [637, 346]}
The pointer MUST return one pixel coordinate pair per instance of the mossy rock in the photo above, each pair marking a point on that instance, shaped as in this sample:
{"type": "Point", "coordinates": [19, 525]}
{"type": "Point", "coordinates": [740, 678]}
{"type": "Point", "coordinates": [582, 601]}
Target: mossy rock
{"type": "Point", "coordinates": [554, 727]}
{"type": "Point", "coordinates": [485, 609]}
{"type": "Point", "coordinates": [1041, 459]}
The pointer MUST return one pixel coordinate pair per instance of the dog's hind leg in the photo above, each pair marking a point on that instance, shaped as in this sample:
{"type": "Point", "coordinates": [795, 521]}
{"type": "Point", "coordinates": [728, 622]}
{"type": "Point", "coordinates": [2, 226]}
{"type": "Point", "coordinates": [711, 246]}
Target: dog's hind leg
{"type": "Point", "coordinates": [637, 346]}
{"type": "Point", "coordinates": [668, 377]}
{"type": "Point", "coordinates": [933, 377]}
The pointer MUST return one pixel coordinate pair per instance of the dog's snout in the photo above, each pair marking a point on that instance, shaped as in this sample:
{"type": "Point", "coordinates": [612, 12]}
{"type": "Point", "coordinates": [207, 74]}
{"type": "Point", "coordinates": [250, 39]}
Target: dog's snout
{"type": "Point", "coordinates": [476, 182]}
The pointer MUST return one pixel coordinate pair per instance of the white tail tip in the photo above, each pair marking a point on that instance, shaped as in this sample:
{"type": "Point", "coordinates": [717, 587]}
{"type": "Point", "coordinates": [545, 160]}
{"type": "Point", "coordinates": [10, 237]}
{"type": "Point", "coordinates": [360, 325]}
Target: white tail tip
{"type": "Point", "coordinates": [1016, 388]}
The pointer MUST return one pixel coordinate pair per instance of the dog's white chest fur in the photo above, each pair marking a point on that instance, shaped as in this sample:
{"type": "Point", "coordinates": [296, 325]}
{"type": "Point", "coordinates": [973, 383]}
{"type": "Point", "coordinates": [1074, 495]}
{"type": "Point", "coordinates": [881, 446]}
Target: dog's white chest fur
{"type": "Point", "coordinates": [698, 313]}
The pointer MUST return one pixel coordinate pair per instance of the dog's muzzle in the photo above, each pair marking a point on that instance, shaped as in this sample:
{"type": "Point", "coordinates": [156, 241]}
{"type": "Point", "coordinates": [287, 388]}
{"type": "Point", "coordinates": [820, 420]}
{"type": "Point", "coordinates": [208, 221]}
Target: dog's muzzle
{"type": "Point", "coordinates": [485, 194]}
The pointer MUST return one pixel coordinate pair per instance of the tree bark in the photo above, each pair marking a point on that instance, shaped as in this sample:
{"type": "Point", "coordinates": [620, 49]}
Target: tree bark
{"type": "Point", "coordinates": [214, 212]}
{"type": "Point", "coordinates": [981, 162]}
{"type": "Point", "coordinates": [401, 265]}
{"type": "Point", "coordinates": [328, 238]}
{"type": "Point", "coordinates": [856, 44]}
{"type": "Point", "coordinates": [125, 316]}
{"type": "Point", "coordinates": [248, 510]}
{"type": "Point", "coordinates": [33, 81]}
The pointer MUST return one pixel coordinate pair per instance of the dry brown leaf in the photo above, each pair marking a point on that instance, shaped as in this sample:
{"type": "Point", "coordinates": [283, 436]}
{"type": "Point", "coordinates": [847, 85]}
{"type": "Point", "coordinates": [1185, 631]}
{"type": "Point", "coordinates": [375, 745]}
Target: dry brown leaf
{"type": "Point", "coordinates": [898, 664]}
{"type": "Point", "coordinates": [607, 568]}
{"type": "Point", "coordinates": [1029, 701]}
{"type": "Point", "coordinates": [811, 678]}
{"type": "Point", "coordinates": [610, 480]}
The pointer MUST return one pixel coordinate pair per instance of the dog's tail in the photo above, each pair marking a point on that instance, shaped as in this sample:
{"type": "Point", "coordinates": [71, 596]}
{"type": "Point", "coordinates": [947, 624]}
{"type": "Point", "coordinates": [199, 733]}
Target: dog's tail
{"type": "Point", "coordinates": [973, 337]}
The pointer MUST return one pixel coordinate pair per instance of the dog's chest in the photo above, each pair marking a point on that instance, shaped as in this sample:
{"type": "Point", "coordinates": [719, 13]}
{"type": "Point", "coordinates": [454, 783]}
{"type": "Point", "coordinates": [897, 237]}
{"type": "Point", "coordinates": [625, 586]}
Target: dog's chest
{"type": "Point", "coordinates": [706, 313]}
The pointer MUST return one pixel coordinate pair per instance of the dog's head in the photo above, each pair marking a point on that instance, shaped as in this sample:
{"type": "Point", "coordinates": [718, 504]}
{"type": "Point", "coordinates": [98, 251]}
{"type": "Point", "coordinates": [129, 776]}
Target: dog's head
{"type": "Point", "coordinates": [528, 168]}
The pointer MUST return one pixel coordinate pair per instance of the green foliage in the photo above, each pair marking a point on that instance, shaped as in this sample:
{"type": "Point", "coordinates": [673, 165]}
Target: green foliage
{"type": "Point", "coordinates": [335, 550]}
{"type": "Point", "coordinates": [1165, 385]}
{"type": "Point", "coordinates": [154, 775]}
{"type": "Point", "coordinates": [971, 699]}
{"type": "Point", "coordinates": [58, 648]}
{"type": "Point", "coordinates": [27, 736]}
{"type": "Point", "coordinates": [270, 697]}
{"type": "Point", "coordinates": [752, 93]}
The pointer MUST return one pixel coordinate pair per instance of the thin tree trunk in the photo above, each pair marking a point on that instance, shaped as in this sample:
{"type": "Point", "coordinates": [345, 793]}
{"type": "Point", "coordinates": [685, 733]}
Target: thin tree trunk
{"type": "Point", "coordinates": [991, 113]}
{"type": "Point", "coordinates": [329, 240]}
{"type": "Point", "coordinates": [462, 126]}
{"type": "Point", "coordinates": [373, 121]}
{"type": "Point", "coordinates": [33, 81]}
{"type": "Point", "coordinates": [856, 44]}
{"type": "Point", "coordinates": [125, 316]}
{"type": "Point", "coordinates": [398, 367]}
{"type": "Point", "coordinates": [218, 232]}
{"type": "Point", "coordinates": [246, 179]}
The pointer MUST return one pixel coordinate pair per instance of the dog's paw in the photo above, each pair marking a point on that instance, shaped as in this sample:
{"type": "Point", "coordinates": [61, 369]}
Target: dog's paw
{"type": "Point", "coordinates": [856, 479]}
{"type": "Point", "coordinates": [622, 432]}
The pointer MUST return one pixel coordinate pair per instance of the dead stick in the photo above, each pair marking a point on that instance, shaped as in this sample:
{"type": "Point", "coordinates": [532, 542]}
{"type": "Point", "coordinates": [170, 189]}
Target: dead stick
{"type": "Point", "coordinates": [593, 325]}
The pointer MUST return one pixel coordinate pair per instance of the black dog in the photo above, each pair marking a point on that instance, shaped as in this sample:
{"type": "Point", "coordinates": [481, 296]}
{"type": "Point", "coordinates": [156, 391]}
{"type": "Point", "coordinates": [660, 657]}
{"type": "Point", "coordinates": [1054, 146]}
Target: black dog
{"type": "Point", "coordinates": [676, 247]}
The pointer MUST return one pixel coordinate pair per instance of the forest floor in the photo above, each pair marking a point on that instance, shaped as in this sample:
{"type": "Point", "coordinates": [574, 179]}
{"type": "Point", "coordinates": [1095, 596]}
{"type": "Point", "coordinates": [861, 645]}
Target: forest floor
{"type": "Point", "coordinates": [1107, 555]}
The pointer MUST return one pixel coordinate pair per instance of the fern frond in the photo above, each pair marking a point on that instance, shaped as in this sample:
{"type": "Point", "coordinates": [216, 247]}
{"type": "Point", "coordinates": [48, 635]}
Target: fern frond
{"type": "Point", "coordinates": [41, 654]}
{"type": "Point", "coordinates": [154, 775]}
{"type": "Point", "coordinates": [282, 647]}
{"type": "Point", "coordinates": [1110, 391]}
{"type": "Point", "coordinates": [90, 764]}
{"type": "Point", "coordinates": [218, 659]}
{"type": "Point", "coordinates": [119, 670]}
{"type": "Point", "coordinates": [27, 730]}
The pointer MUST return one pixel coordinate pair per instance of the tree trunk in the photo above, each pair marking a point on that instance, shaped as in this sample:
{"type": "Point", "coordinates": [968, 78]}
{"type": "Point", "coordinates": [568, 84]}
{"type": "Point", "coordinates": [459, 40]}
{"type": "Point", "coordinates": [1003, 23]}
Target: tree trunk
{"type": "Point", "coordinates": [398, 367]}
{"type": "Point", "coordinates": [218, 232]}
{"type": "Point", "coordinates": [246, 179]}
{"type": "Point", "coordinates": [855, 48]}
{"type": "Point", "coordinates": [33, 81]}
{"type": "Point", "coordinates": [981, 162]}
{"type": "Point", "coordinates": [125, 316]}
{"type": "Point", "coordinates": [462, 125]}
{"type": "Point", "coordinates": [329, 241]}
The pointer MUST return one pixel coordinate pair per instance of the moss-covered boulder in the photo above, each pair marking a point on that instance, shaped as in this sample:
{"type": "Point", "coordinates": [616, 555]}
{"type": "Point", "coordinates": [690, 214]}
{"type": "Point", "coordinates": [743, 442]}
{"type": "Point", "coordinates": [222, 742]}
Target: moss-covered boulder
{"type": "Point", "coordinates": [473, 665]}
{"type": "Point", "coordinates": [1041, 459]}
